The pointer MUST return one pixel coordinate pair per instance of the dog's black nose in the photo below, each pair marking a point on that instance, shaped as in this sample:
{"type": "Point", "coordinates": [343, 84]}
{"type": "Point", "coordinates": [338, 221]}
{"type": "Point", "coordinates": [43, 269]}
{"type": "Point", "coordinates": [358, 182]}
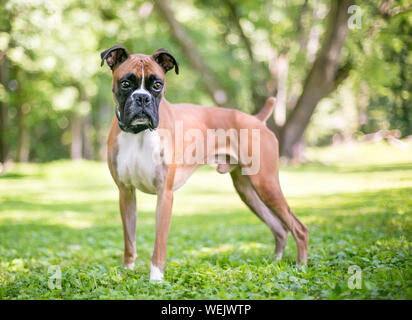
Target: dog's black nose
{"type": "Point", "coordinates": [141, 99]}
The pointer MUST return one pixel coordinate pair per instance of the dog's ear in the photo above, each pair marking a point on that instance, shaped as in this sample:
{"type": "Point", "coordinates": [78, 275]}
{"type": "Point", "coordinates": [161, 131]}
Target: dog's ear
{"type": "Point", "coordinates": [165, 60]}
{"type": "Point", "coordinates": [114, 56]}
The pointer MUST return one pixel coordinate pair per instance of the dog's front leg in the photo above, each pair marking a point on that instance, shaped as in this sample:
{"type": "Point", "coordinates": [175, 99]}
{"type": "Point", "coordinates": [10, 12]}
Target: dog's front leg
{"type": "Point", "coordinates": [163, 219]}
{"type": "Point", "coordinates": [127, 201]}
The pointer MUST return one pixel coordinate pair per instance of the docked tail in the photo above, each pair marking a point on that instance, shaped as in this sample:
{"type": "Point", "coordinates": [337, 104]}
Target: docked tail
{"type": "Point", "coordinates": [267, 110]}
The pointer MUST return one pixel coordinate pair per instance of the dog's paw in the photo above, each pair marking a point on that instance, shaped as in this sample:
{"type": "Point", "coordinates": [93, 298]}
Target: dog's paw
{"type": "Point", "coordinates": [129, 266]}
{"type": "Point", "coordinates": [155, 273]}
{"type": "Point", "coordinates": [301, 267]}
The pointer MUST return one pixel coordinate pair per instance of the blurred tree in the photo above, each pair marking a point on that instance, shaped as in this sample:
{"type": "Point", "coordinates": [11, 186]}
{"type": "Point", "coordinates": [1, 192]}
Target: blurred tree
{"type": "Point", "coordinates": [397, 49]}
{"type": "Point", "coordinates": [4, 47]}
{"type": "Point", "coordinates": [55, 101]}
{"type": "Point", "coordinates": [323, 78]}
{"type": "Point", "coordinates": [188, 46]}
{"type": "Point", "coordinates": [3, 107]}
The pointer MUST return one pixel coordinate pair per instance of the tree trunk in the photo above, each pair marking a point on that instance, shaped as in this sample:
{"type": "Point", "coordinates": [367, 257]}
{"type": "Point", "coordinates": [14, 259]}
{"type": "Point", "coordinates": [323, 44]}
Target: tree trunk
{"type": "Point", "coordinates": [105, 112]}
{"type": "Point", "coordinates": [278, 85]}
{"type": "Point", "coordinates": [282, 66]}
{"type": "Point", "coordinates": [23, 146]}
{"type": "Point", "coordinates": [87, 145]}
{"type": "Point", "coordinates": [322, 79]}
{"type": "Point", "coordinates": [3, 111]}
{"type": "Point", "coordinates": [77, 141]}
{"type": "Point", "coordinates": [188, 46]}
{"type": "Point", "coordinates": [81, 146]}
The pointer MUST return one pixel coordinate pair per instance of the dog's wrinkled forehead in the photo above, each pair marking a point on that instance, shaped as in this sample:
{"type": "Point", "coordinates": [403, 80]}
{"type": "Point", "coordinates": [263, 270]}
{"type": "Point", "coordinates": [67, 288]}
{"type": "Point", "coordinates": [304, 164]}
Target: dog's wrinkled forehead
{"type": "Point", "coordinates": [138, 64]}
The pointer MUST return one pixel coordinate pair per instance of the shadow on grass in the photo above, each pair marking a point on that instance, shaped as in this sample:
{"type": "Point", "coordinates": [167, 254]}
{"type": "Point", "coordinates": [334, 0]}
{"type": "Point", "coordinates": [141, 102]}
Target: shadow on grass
{"type": "Point", "coordinates": [86, 207]}
{"type": "Point", "coordinates": [327, 168]}
{"type": "Point", "coordinates": [16, 175]}
{"type": "Point", "coordinates": [366, 216]}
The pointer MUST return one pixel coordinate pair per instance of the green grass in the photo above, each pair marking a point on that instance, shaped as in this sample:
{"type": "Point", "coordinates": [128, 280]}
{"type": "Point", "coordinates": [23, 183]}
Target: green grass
{"type": "Point", "coordinates": [356, 201]}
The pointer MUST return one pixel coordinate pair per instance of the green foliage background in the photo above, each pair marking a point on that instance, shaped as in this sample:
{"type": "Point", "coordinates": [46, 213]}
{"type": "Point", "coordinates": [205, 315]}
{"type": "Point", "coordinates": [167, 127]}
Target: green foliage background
{"type": "Point", "coordinates": [54, 73]}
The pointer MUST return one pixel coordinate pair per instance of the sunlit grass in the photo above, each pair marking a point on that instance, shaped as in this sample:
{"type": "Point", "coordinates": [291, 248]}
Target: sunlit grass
{"type": "Point", "coordinates": [356, 201]}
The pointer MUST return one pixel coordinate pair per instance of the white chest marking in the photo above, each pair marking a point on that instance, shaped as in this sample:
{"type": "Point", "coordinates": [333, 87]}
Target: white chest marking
{"type": "Point", "coordinates": [138, 159]}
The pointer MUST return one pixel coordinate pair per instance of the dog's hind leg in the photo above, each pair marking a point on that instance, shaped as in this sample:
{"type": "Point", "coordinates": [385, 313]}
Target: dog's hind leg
{"type": "Point", "coordinates": [263, 174]}
{"type": "Point", "coordinates": [249, 196]}
{"type": "Point", "coordinates": [267, 187]}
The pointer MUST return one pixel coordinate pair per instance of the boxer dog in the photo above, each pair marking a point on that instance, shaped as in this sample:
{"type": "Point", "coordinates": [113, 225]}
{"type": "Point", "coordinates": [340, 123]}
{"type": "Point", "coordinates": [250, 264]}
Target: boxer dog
{"type": "Point", "coordinates": [144, 153]}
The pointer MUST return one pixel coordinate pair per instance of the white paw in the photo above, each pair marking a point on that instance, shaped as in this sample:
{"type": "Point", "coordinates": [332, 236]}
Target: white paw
{"type": "Point", "coordinates": [155, 273]}
{"type": "Point", "coordinates": [301, 267]}
{"type": "Point", "coordinates": [129, 266]}
{"type": "Point", "coordinates": [278, 257]}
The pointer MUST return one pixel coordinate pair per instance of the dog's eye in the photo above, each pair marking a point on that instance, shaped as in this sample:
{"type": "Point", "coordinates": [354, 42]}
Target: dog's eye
{"type": "Point", "coordinates": [125, 84]}
{"type": "Point", "coordinates": [157, 85]}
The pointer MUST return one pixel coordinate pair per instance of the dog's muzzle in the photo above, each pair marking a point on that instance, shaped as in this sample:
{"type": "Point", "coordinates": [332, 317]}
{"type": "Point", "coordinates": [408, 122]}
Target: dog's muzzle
{"type": "Point", "coordinates": [140, 122]}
